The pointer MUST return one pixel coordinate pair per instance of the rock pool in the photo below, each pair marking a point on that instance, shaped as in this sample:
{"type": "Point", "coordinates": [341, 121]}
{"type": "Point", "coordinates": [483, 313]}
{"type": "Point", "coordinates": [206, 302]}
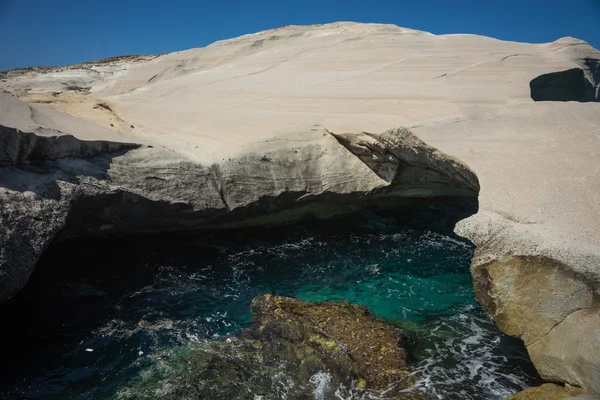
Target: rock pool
{"type": "Point", "coordinates": [99, 314]}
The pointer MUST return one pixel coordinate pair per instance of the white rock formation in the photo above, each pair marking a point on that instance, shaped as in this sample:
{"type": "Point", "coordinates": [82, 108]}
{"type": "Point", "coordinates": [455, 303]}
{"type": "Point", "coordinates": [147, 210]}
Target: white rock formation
{"type": "Point", "coordinates": [263, 94]}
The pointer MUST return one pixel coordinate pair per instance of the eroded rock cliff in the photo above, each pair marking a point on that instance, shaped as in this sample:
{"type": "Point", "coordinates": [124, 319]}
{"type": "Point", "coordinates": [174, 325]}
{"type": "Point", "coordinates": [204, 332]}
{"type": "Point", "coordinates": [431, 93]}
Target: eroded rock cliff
{"type": "Point", "coordinates": [234, 121]}
{"type": "Point", "coordinates": [99, 188]}
{"type": "Point", "coordinates": [536, 291]}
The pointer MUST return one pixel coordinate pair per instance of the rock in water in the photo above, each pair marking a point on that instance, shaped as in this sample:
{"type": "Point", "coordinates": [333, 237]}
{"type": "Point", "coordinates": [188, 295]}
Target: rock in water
{"type": "Point", "coordinates": [550, 391]}
{"type": "Point", "coordinates": [292, 350]}
{"type": "Point", "coordinates": [542, 301]}
{"type": "Point", "coordinates": [369, 348]}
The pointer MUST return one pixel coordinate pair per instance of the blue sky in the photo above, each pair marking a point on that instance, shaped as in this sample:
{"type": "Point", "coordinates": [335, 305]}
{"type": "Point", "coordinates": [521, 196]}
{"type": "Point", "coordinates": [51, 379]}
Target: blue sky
{"type": "Point", "coordinates": [57, 32]}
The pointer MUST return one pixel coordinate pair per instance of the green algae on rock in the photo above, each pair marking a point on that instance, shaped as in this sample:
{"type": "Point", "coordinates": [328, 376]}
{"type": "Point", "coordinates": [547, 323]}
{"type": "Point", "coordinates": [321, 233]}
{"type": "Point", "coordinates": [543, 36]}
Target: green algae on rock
{"type": "Point", "coordinates": [293, 348]}
{"type": "Point", "coordinates": [371, 349]}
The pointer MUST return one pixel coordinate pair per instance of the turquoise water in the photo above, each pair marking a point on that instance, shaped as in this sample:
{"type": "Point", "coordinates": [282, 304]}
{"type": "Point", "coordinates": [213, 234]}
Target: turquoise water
{"type": "Point", "coordinates": [97, 312]}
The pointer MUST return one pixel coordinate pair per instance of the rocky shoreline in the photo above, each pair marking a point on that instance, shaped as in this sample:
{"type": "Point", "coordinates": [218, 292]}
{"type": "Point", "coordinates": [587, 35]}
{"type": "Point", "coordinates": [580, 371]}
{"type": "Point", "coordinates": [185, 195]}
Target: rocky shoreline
{"type": "Point", "coordinates": [535, 268]}
{"type": "Point", "coordinates": [76, 188]}
{"type": "Point", "coordinates": [547, 295]}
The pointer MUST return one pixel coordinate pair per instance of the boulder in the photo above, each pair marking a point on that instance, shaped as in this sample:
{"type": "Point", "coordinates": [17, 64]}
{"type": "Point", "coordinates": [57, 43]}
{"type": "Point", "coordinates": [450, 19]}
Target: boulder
{"type": "Point", "coordinates": [554, 312]}
{"type": "Point", "coordinates": [551, 391]}
{"type": "Point", "coordinates": [293, 349]}
{"type": "Point", "coordinates": [370, 348]}
{"type": "Point", "coordinates": [536, 291]}
{"type": "Point", "coordinates": [570, 352]}
{"type": "Point", "coordinates": [527, 296]}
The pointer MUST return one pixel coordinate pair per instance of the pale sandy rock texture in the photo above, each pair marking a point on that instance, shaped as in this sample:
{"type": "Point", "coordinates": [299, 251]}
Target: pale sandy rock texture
{"type": "Point", "coordinates": [52, 182]}
{"type": "Point", "coordinates": [550, 391]}
{"type": "Point", "coordinates": [524, 117]}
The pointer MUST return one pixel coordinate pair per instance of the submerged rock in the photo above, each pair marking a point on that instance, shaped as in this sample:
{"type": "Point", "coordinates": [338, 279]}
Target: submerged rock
{"type": "Point", "coordinates": [293, 350]}
{"type": "Point", "coordinates": [342, 334]}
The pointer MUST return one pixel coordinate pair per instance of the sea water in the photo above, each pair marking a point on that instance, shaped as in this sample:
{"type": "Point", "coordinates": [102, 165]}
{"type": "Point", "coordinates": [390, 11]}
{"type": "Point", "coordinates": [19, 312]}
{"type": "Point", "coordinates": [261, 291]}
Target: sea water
{"type": "Point", "coordinates": [98, 312]}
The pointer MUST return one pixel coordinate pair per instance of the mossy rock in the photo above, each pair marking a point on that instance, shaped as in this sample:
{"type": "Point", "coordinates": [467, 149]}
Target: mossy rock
{"type": "Point", "coordinates": [343, 334]}
{"type": "Point", "coordinates": [293, 350]}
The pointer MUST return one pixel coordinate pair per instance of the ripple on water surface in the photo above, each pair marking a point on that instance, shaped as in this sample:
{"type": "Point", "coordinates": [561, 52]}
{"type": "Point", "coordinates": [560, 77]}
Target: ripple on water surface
{"type": "Point", "coordinates": [95, 316]}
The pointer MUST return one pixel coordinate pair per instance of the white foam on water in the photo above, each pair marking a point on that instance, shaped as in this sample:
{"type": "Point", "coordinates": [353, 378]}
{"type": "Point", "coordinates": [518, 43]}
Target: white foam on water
{"type": "Point", "coordinates": [461, 357]}
{"type": "Point", "coordinates": [282, 383]}
{"type": "Point", "coordinates": [467, 361]}
{"type": "Point", "coordinates": [322, 382]}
